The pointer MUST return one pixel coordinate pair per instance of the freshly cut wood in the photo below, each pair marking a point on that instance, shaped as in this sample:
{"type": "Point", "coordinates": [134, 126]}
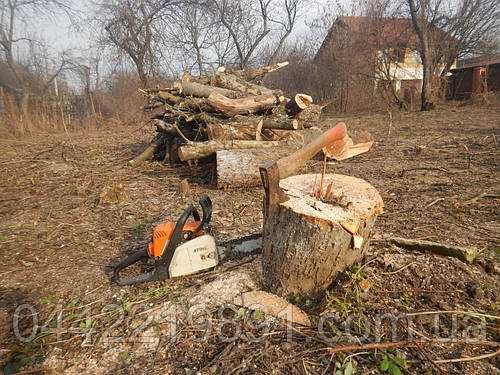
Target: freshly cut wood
{"type": "Point", "coordinates": [297, 104]}
{"type": "Point", "coordinates": [354, 150]}
{"type": "Point", "coordinates": [247, 105]}
{"type": "Point", "coordinates": [272, 305]}
{"type": "Point", "coordinates": [149, 152]}
{"type": "Point", "coordinates": [305, 243]}
{"type": "Point", "coordinates": [199, 150]}
{"type": "Point", "coordinates": [199, 90]}
{"type": "Point", "coordinates": [309, 116]}
{"type": "Point", "coordinates": [465, 254]}
{"type": "Point", "coordinates": [240, 168]}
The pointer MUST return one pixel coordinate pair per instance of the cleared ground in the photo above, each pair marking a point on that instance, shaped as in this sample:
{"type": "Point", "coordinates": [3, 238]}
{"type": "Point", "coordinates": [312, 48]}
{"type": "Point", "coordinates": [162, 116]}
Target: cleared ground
{"type": "Point", "coordinates": [70, 205]}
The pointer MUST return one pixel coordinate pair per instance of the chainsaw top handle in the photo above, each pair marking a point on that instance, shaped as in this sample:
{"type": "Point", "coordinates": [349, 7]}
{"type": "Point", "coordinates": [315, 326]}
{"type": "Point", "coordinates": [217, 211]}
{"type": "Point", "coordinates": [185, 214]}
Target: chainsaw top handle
{"type": "Point", "coordinates": [179, 235]}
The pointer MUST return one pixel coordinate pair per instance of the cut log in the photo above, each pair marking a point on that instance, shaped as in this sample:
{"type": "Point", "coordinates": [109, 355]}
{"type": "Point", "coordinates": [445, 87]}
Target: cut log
{"type": "Point", "coordinates": [297, 104]}
{"type": "Point", "coordinates": [222, 131]}
{"type": "Point", "coordinates": [309, 116]}
{"type": "Point", "coordinates": [240, 168]}
{"type": "Point", "coordinates": [148, 153]}
{"type": "Point", "coordinates": [465, 254]}
{"type": "Point", "coordinates": [235, 83]}
{"type": "Point", "coordinates": [199, 150]}
{"type": "Point", "coordinates": [203, 91]}
{"type": "Point", "coordinates": [243, 106]}
{"type": "Point", "coordinates": [279, 123]}
{"type": "Point", "coordinates": [307, 242]}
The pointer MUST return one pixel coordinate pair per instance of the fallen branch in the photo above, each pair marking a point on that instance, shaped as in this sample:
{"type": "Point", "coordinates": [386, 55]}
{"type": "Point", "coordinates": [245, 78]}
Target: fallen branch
{"type": "Point", "coordinates": [252, 74]}
{"type": "Point", "coordinates": [374, 346]}
{"type": "Point", "coordinates": [403, 344]}
{"type": "Point", "coordinates": [465, 254]}
{"type": "Point", "coordinates": [480, 196]}
{"type": "Point", "coordinates": [468, 359]}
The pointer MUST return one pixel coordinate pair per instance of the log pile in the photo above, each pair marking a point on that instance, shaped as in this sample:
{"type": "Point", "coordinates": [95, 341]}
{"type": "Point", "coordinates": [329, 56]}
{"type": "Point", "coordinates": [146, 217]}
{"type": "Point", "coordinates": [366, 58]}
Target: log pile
{"type": "Point", "coordinates": [227, 116]}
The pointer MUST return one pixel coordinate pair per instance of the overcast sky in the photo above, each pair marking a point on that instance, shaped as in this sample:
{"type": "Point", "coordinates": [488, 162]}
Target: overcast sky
{"type": "Point", "coordinates": [61, 35]}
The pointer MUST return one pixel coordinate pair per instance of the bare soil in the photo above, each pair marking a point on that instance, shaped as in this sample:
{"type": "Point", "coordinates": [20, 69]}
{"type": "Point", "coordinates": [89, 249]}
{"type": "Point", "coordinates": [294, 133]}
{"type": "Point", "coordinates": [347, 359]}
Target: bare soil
{"type": "Point", "coordinates": [70, 205]}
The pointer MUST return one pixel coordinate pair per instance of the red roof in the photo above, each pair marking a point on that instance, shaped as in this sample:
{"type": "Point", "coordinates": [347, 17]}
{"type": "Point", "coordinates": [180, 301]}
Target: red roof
{"type": "Point", "coordinates": [394, 32]}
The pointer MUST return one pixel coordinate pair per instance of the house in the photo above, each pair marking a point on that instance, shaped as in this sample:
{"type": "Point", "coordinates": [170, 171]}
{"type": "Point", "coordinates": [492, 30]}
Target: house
{"type": "Point", "coordinates": [381, 52]}
{"type": "Point", "coordinates": [474, 76]}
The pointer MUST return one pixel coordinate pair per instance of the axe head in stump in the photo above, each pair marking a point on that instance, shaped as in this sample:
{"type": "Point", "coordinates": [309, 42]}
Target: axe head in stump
{"type": "Point", "coordinates": [271, 172]}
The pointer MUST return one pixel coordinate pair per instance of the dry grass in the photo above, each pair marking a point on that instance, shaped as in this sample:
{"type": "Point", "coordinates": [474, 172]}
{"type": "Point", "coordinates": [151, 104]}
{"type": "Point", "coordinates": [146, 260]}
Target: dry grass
{"type": "Point", "coordinates": [59, 232]}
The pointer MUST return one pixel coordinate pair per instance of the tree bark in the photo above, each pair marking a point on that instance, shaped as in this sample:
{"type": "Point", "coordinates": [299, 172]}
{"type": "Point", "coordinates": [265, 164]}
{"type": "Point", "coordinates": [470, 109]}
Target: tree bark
{"type": "Point", "coordinates": [203, 91]}
{"type": "Point", "coordinates": [420, 25]}
{"type": "Point", "coordinates": [243, 106]}
{"type": "Point", "coordinates": [235, 83]}
{"type": "Point", "coordinates": [148, 153]}
{"type": "Point", "coordinates": [230, 131]}
{"type": "Point", "coordinates": [240, 168]}
{"type": "Point", "coordinates": [307, 242]}
{"type": "Point", "coordinates": [199, 150]}
{"type": "Point", "coordinates": [252, 74]}
{"type": "Point", "coordinates": [309, 116]}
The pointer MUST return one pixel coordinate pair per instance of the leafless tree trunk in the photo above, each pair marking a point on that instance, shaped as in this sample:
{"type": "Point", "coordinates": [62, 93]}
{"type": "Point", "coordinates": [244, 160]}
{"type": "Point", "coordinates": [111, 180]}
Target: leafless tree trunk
{"type": "Point", "coordinates": [418, 12]}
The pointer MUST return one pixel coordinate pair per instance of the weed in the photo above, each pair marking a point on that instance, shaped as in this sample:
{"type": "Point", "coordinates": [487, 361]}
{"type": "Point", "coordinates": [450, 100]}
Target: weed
{"type": "Point", "coordinates": [392, 364]}
{"type": "Point", "coordinates": [138, 228]}
{"type": "Point", "coordinates": [344, 368]}
{"type": "Point", "coordinates": [48, 300]}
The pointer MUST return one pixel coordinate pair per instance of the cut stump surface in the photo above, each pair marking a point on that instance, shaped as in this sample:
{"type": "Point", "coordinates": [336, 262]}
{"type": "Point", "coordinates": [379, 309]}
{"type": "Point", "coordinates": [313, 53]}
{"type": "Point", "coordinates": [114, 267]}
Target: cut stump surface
{"type": "Point", "coordinates": [307, 241]}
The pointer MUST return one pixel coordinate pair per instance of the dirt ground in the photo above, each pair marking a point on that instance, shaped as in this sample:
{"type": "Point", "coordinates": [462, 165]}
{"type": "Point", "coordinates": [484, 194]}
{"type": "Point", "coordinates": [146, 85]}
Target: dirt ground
{"type": "Point", "coordinates": [70, 205]}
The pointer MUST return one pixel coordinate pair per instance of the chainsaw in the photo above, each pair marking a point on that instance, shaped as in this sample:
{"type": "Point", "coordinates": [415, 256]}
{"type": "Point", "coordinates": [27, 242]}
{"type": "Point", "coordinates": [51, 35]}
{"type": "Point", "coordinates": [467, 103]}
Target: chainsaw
{"type": "Point", "coordinates": [184, 248]}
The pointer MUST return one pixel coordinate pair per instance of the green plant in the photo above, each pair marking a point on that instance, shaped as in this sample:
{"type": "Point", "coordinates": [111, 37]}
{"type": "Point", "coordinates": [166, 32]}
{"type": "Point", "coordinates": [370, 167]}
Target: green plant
{"type": "Point", "coordinates": [138, 228]}
{"type": "Point", "coordinates": [48, 300]}
{"type": "Point", "coordinates": [344, 368]}
{"type": "Point", "coordinates": [155, 293]}
{"type": "Point", "coordinates": [392, 364]}
{"type": "Point", "coordinates": [357, 273]}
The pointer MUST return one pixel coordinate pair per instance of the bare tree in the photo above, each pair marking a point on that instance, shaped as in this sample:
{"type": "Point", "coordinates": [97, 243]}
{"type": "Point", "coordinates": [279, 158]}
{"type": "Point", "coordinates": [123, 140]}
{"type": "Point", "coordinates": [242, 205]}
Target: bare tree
{"type": "Point", "coordinates": [130, 26]}
{"type": "Point", "coordinates": [469, 28]}
{"type": "Point", "coordinates": [290, 9]}
{"type": "Point", "coordinates": [419, 11]}
{"type": "Point", "coordinates": [250, 22]}
{"type": "Point", "coordinates": [448, 30]}
{"type": "Point", "coordinates": [14, 13]}
{"type": "Point", "coordinates": [197, 37]}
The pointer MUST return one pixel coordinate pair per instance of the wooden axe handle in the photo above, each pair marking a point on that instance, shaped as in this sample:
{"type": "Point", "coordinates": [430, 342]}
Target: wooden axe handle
{"type": "Point", "coordinates": [290, 164]}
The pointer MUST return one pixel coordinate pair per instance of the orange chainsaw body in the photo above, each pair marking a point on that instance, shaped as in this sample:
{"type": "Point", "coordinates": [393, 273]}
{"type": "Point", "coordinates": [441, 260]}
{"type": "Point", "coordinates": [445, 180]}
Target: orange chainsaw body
{"type": "Point", "coordinates": [163, 233]}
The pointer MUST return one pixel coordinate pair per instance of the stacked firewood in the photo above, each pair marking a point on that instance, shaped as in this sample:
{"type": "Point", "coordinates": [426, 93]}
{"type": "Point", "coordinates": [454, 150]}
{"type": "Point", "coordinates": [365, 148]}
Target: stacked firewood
{"type": "Point", "coordinates": [230, 115]}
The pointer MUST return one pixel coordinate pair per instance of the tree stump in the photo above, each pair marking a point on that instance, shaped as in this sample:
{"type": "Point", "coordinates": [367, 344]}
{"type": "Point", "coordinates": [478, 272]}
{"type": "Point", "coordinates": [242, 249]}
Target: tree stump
{"type": "Point", "coordinates": [307, 242]}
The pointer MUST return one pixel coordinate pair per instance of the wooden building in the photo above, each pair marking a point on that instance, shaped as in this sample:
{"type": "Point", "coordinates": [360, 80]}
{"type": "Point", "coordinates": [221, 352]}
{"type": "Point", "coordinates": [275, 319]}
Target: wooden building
{"type": "Point", "coordinates": [474, 76]}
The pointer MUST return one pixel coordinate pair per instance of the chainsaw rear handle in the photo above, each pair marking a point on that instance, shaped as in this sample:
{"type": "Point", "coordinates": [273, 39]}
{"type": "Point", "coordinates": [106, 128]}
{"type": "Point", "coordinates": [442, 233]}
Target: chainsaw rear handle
{"type": "Point", "coordinates": [160, 271]}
